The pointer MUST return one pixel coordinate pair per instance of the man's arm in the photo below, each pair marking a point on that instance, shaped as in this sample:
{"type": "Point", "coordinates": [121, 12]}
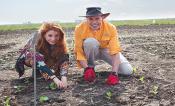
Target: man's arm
{"type": "Point", "coordinates": [114, 44]}
{"type": "Point", "coordinates": [115, 62]}
{"type": "Point", "coordinates": [83, 63]}
{"type": "Point", "coordinates": [114, 49]}
{"type": "Point", "coordinates": [79, 53]}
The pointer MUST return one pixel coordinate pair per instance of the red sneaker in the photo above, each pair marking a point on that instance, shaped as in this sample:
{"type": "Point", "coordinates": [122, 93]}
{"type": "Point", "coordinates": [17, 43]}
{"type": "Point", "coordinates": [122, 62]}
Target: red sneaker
{"type": "Point", "coordinates": [112, 79]}
{"type": "Point", "coordinates": [89, 74]}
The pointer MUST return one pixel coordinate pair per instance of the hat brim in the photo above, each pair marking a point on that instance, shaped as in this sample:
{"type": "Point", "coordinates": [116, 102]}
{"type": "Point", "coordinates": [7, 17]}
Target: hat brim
{"type": "Point", "coordinates": [103, 15]}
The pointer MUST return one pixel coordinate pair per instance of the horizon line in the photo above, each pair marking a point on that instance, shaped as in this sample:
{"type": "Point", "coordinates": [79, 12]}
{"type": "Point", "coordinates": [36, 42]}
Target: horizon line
{"type": "Point", "coordinates": [29, 22]}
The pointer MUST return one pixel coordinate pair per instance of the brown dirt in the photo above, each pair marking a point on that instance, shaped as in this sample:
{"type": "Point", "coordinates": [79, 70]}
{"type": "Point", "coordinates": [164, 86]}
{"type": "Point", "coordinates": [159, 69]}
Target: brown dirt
{"type": "Point", "coordinates": [150, 49]}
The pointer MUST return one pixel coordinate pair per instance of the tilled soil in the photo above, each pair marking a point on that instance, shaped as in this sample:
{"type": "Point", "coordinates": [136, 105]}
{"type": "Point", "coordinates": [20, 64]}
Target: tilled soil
{"type": "Point", "coordinates": [150, 50]}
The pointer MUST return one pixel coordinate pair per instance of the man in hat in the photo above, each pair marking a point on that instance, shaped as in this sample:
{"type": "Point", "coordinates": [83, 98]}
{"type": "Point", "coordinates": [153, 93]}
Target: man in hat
{"type": "Point", "coordinates": [97, 39]}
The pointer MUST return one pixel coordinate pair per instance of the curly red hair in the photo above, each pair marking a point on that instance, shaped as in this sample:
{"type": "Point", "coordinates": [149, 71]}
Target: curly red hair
{"type": "Point", "coordinates": [43, 46]}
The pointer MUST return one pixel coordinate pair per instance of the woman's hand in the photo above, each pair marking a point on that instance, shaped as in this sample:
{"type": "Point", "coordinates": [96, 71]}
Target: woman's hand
{"type": "Point", "coordinates": [60, 83]}
{"type": "Point", "coordinates": [64, 81]}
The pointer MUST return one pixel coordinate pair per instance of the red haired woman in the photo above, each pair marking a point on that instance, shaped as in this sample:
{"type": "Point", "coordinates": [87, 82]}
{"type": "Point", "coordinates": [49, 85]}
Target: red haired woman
{"type": "Point", "coordinates": [52, 59]}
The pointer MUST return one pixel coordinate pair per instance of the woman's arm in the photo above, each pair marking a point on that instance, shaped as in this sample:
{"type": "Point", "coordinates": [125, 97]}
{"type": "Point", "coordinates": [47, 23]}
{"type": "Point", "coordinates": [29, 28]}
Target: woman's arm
{"type": "Point", "coordinates": [64, 69]}
{"type": "Point", "coordinates": [45, 71]}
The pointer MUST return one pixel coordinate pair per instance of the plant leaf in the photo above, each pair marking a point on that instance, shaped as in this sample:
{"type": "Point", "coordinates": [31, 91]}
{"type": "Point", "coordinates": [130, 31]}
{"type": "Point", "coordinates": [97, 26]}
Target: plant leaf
{"type": "Point", "coordinates": [7, 101]}
{"type": "Point", "coordinates": [154, 90]}
{"type": "Point", "coordinates": [108, 94]}
{"type": "Point", "coordinates": [18, 88]}
{"type": "Point", "coordinates": [43, 99]}
{"type": "Point", "coordinates": [52, 86]}
{"type": "Point", "coordinates": [142, 79]}
{"type": "Point", "coordinates": [134, 70]}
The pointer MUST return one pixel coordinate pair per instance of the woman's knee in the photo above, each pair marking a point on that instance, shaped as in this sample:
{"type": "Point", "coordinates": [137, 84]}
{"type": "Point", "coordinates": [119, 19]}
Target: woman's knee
{"type": "Point", "coordinates": [29, 62]}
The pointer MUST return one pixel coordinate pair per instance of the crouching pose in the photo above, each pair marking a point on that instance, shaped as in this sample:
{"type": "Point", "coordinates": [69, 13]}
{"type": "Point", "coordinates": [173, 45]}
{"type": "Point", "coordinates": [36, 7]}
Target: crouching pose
{"type": "Point", "coordinates": [97, 39]}
{"type": "Point", "coordinates": [52, 60]}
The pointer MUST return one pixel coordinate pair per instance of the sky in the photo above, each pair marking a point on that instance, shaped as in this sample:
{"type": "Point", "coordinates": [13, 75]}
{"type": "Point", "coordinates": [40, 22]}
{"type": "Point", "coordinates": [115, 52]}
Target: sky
{"type": "Point", "coordinates": [36, 11]}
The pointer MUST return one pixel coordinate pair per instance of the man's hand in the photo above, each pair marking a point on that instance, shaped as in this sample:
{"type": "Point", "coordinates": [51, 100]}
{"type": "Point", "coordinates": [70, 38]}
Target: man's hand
{"type": "Point", "coordinates": [115, 62]}
{"type": "Point", "coordinates": [89, 74]}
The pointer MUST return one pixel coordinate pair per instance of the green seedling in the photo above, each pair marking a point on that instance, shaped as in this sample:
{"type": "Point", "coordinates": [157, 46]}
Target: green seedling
{"type": "Point", "coordinates": [26, 80]}
{"type": "Point", "coordinates": [142, 79]}
{"type": "Point", "coordinates": [134, 70]}
{"type": "Point", "coordinates": [154, 90]}
{"type": "Point", "coordinates": [98, 75]}
{"type": "Point", "coordinates": [52, 86]}
{"type": "Point", "coordinates": [43, 99]}
{"type": "Point", "coordinates": [7, 101]}
{"type": "Point", "coordinates": [108, 94]}
{"type": "Point", "coordinates": [18, 88]}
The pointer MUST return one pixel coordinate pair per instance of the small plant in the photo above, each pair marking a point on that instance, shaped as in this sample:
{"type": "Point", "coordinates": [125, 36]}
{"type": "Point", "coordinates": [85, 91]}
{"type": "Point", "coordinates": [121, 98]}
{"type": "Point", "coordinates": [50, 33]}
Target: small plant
{"type": "Point", "coordinates": [7, 101]}
{"type": "Point", "coordinates": [142, 79]}
{"type": "Point", "coordinates": [154, 90]}
{"type": "Point", "coordinates": [18, 88]}
{"type": "Point", "coordinates": [108, 94]}
{"type": "Point", "coordinates": [98, 75]}
{"type": "Point", "coordinates": [26, 80]}
{"type": "Point", "coordinates": [52, 86]}
{"type": "Point", "coordinates": [134, 70]}
{"type": "Point", "coordinates": [43, 99]}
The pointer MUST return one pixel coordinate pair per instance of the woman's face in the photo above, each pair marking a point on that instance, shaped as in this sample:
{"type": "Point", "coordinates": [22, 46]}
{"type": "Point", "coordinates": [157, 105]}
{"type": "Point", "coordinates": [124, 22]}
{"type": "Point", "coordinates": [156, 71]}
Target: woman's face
{"type": "Point", "coordinates": [52, 37]}
{"type": "Point", "coordinates": [94, 22]}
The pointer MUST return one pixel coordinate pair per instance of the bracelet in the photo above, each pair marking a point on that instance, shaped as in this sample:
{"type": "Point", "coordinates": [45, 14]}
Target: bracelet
{"type": "Point", "coordinates": [53, 77]}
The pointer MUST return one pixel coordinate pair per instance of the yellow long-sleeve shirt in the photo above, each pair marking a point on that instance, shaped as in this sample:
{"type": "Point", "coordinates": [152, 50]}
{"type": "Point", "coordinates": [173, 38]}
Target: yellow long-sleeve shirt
{"type": "Point", "coordinates": [107, 36]}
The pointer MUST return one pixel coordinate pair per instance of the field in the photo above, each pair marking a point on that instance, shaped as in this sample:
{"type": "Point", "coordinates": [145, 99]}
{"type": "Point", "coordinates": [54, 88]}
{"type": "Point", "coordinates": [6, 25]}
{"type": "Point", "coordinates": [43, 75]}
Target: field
{"type": "Point", "coordinates": [71, 25]}
{"type": "Point", "coordinates": [150, 49]}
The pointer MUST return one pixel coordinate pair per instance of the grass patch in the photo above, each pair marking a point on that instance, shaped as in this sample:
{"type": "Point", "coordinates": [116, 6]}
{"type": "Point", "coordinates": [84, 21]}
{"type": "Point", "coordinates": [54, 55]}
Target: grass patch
{"type": "Point", "coordinates": [72, 25]}
{"type": "Point", "coordinates": [144, 22]}
{"type": "Point", "coordinates": [19, 27]}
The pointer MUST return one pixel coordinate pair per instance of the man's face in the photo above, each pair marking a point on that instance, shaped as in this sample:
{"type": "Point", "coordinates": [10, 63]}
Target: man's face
{"type": "Point", "coordinates": [94, 22]}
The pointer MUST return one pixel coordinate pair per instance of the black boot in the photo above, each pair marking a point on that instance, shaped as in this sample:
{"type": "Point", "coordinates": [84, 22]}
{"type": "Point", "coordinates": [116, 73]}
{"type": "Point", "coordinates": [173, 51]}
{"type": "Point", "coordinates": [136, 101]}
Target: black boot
{"type": "Point", "coordinates": [19, 66]}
